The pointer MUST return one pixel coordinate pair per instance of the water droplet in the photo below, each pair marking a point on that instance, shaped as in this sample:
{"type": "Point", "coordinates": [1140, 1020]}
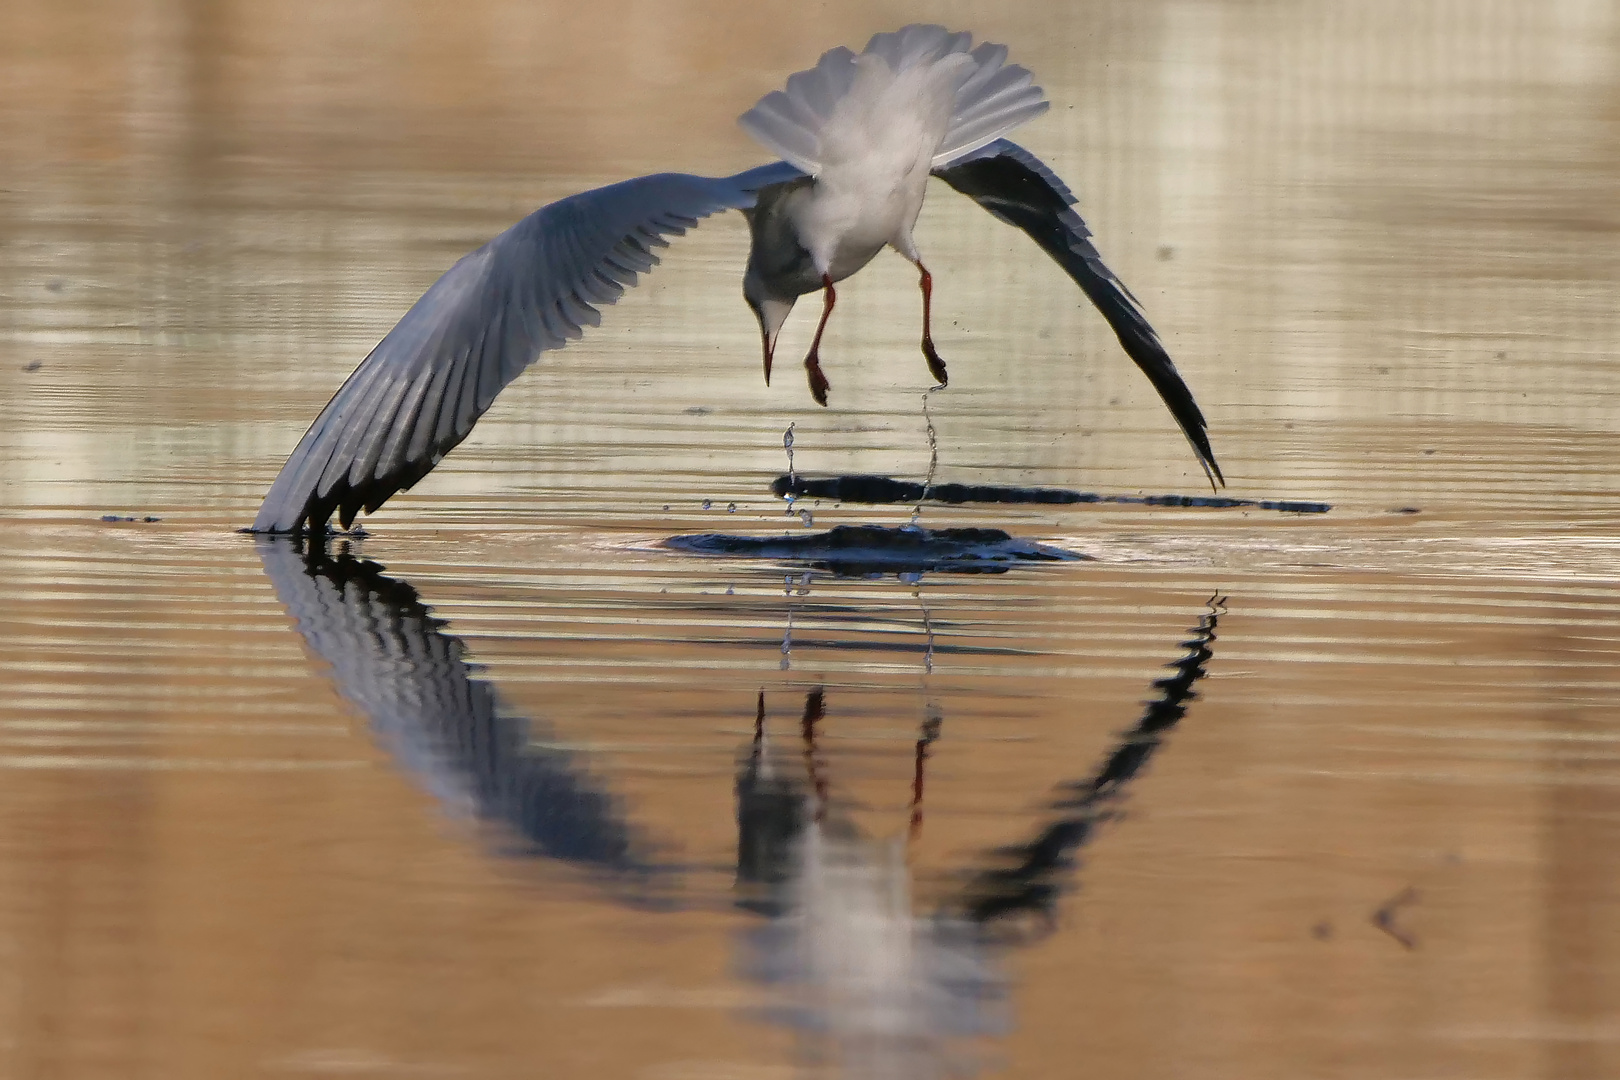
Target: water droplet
{"type": "Point", "coordinates": [792, 479]}
{"type": "Point", "coordinates": [807, 517]}
{"type": "Point", "coordinates": [731, 590]}
{"type": "Point", "coordinates": [707, 503]}
{"type": "Point", "coordinates": [666, 506]}
{"type": "Point", "coordinates": [731, 508]}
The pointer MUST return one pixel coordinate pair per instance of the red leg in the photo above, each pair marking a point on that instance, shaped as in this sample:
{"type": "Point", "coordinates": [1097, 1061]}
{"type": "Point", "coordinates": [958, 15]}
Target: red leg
{"type": "Point", "coordinates": [917, 791]}
{"type": "Point", "coordinates": [930, 732]}
{"type": "Point", "coordinates": [814, 709]}
{"type": "Point", "coordinates": [812, 363]}
{"type": "Point", "coordinates": [936, 366]}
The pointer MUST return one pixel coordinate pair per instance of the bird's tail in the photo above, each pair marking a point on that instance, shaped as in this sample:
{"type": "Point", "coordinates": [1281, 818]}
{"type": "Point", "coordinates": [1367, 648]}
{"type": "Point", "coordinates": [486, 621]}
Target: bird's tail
{"type": "Point", "coordinates": [991, 98]}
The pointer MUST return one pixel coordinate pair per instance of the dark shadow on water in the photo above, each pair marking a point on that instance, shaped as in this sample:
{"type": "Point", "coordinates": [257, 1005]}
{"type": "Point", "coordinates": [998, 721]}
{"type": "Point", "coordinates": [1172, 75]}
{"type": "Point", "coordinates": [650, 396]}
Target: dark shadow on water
{"type": "Point", "coordinates": [867, 550]}
{"type": "Point", "coordinates": [861, 488]}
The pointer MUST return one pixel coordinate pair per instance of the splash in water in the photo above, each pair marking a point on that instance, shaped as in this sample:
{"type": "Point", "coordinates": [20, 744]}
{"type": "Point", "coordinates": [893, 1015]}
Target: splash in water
{"type": "Point", "coordinates": [787, 445]}
{"type": "Point", "coordinates": [928, 631]}
{"type": "Point", "coordinates": [933, 456]}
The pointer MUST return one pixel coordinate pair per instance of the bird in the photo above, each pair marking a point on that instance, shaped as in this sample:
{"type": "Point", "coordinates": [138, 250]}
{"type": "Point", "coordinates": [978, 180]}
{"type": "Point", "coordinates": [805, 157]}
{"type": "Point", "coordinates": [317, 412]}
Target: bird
{"type": "Point", "coordinates": [858, 137]}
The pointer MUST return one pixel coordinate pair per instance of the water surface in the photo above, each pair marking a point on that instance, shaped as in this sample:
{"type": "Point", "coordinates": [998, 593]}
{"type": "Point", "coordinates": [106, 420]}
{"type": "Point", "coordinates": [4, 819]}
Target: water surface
{"type": "Point", "coordinates": [636, 812]}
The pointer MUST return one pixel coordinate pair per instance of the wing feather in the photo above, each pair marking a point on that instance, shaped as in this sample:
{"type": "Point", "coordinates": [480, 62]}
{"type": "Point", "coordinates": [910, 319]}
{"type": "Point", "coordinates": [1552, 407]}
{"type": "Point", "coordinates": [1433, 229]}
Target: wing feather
{"type": "Point", "coordinates": [350, 440]}
{"type": "Point", "coordinates": [1018, 188]}
{"type": "Point", "coordinates": [444, 431]}
{"type": "Point", "coordinates": [467, 400]}
{"type": "Point", "coordinates": [578, 310]}
{"type": "Point", "coordinates": [388, 408]}
{"type": "Point", "coordinates": [427, 414]}
{"type": "Point", "coordinates": [394, 449]}
{"type": "Point", "coordinates": [531, 289]}
{"type": "Point", "coordinates": [491, 348]}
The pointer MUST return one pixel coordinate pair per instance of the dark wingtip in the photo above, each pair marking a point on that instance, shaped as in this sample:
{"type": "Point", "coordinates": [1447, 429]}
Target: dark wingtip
{"type": "Point", "coordinates": [303, 529]}
{"type": "Point", "coordinates": [350, 506]}
{"type": "Point", "coordinates": [348, 501]}
{"type": "Point", "coordinates": [1206, 458]}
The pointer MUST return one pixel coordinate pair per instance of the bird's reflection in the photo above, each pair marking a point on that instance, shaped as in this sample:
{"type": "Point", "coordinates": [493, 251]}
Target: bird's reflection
{"type": "Point", "coordinates": [392, 660]}
{"type": "Point", "coordinates": [1029, 878]}
{"type": "Point", "coordinates": [875, 986]}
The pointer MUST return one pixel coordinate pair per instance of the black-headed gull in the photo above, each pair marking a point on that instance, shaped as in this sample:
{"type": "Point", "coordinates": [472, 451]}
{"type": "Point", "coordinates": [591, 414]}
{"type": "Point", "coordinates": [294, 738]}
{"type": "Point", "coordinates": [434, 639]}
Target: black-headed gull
{"type": "Point", "coordinates": [859, 136]}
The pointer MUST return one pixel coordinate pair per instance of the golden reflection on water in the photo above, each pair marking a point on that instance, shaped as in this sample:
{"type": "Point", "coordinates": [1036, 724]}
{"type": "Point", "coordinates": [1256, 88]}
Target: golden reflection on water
{"type": "Point", "coordinates": [1381, 242]}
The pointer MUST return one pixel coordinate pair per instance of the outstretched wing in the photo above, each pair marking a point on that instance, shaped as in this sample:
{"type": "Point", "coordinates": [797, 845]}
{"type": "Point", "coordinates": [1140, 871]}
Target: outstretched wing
{"type": "Point", "coordinates": [1016, 187]}
{"type": "Point", "coordinates": [532, 288]}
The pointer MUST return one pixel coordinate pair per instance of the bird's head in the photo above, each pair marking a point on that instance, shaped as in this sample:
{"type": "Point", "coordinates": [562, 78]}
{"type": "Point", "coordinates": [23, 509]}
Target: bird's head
{"type": "Point", "coordinates": [770, 309]}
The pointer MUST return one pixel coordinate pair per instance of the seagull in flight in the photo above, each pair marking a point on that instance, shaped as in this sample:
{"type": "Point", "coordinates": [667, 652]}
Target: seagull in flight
{"type": "Point", "coordinates": [858, 134]}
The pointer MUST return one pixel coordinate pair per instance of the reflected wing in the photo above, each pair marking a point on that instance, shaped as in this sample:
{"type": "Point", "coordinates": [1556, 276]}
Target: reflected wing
{"type": "Point", "coordinates": [1016, 187]}
{"type": "Point", "coordinates": [532, 288]}
{"type": "Point", "coordinates": [1032, 876]}
{"type": "Point", "coordinates": [395, 662]}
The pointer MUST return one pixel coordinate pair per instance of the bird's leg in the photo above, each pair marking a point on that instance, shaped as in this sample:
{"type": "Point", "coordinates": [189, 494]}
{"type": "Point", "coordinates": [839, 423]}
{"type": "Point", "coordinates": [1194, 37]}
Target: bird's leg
{"type": "Point", "coordinates": [925, 739]}
{"type": "Point", "coordinates": [815, 708]}
{"type": "Point", "coordinates": [812, 363]}
{"type": "Point", "coordinates": [936, 366]}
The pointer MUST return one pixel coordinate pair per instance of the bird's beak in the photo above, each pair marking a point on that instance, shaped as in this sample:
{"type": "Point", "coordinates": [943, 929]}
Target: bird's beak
{"type": "Point", "coordinates": [772, 314]}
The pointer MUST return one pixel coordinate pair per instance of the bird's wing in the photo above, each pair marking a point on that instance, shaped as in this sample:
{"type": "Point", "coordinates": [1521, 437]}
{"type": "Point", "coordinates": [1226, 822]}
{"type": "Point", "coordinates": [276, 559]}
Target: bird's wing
{"type": "Point", "coordinates": [1016, 187]}
{"type": "Point", "coordinates": [530, 289]}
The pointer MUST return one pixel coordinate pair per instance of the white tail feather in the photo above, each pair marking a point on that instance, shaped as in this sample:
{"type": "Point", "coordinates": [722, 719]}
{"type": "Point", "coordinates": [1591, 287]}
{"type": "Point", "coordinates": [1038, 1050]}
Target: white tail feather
{"type": "Point", "coordinates": [994, 98]}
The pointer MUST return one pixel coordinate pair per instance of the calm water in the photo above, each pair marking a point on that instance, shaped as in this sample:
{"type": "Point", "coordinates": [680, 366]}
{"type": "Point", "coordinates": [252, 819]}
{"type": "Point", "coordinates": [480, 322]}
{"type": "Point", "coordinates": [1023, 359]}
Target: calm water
{"type": "Point", "coordinates": [613, 810]}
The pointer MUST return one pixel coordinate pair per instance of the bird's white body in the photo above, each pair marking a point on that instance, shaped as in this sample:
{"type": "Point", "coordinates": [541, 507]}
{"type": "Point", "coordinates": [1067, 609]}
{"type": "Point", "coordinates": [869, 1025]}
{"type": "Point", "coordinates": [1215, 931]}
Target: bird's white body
{"type": "Point", "coordinates": [869, 129]}
{"type": "Point", "coordinates": [876, 152]}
